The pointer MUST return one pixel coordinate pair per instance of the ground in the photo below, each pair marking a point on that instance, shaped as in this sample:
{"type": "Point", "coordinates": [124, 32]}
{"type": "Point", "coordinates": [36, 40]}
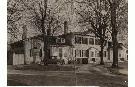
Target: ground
{"type": "Point", "coordinates": [84, 75]}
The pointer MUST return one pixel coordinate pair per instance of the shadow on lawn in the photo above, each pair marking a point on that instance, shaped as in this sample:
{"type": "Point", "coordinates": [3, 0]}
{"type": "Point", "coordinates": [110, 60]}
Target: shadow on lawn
{"type": "Point", "coordinates": [15, 83]}
{"type": "Point", "coordinates": [52, 67]}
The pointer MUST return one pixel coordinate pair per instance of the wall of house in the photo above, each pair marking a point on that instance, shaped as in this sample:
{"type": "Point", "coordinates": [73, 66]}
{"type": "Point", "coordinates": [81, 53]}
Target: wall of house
{"type": "Point", "coordinates": [18, 59]}
{"type": "Point", "coordinates": [122, 55]}
{"type": "Point", "coordinates": [68, 52]}
{"type": "Point", "coordinates": [34, 54]}
{"type": "Point", "coordinates": [62, 52]}
{"type": "Point", "coordinates": [94, 49]}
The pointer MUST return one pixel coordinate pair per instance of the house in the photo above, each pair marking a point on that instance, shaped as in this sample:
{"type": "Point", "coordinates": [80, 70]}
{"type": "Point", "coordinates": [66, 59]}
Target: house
{"type": "Point", "coordinates": [71, 46]}
{"type": "Point", "coordinates": [74, 46]}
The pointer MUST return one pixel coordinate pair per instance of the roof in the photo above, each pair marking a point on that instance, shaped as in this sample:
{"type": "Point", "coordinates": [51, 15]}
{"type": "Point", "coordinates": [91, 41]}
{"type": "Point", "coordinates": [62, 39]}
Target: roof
{"type": "Point", "coordinates": [78, 33]}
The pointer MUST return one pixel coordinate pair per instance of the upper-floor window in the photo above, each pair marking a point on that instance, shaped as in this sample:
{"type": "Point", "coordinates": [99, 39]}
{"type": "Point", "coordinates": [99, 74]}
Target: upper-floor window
{"type": "Point", "coordinates": [91, 41]}
{"type": "Point", "coordinates": [109, 44]}
{"type": "Point", "coordinates": [119, 54]}
{"type": "Point", "coordinates": [97, 42]}
{"type": "Point", "coordinates": [78, 40]}
{"type": "Point", "coordinates": [127, 51]}
{"type": "Point", "coordinates": [60, 40]}
{"type": "Point", "coordinates": [84, 40]}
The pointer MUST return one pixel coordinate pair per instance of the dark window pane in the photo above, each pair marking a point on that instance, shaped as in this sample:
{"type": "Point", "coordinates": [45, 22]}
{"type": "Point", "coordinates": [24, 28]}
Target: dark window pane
{"type": "Point", "coordinates": [80, 53]}
{"type": "Point", "coordinates": [40, 54]}
{"type": "Point", "coordinates": [91, 41]}
{"type": "Point", "coordinates": [84, 40]}
{"type": "Point", "coordinates": [104, 53]}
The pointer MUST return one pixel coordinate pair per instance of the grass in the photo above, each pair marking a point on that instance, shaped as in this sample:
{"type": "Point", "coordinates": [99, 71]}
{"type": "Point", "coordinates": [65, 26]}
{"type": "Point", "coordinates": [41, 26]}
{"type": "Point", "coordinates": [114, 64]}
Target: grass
{"type": "Point", "coordinates": [70, 80]}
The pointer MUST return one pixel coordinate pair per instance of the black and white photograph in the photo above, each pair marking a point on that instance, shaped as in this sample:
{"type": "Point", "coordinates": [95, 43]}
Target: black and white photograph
{"type": "Point", "coordinates": [67, 43]}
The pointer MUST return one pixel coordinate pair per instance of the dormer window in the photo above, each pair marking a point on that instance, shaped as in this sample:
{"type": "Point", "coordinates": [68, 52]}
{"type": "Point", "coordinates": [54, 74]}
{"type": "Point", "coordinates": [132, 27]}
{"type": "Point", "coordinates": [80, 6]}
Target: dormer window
{"type": "Point", "coordinates": [60, 40]}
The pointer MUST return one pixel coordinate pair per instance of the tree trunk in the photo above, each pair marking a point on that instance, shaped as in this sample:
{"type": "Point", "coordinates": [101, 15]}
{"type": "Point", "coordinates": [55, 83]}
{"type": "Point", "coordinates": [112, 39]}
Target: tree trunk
{"type": "Point", "coordinates": [114, 35]}
{"type": "Point", "coordinates": [115, 53]}
{"type": "Point", "coordinates": [101, 55]}
{"type": "Point", "coordinates": [45, 60]}
{"type": "Point", "coordinates": [24, 52]}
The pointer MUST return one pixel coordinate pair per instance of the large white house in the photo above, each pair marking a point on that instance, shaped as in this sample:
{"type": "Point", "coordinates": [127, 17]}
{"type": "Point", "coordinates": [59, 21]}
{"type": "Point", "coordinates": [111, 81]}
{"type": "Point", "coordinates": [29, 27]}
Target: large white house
{"type": "Point", "coordinates": [75, 46]}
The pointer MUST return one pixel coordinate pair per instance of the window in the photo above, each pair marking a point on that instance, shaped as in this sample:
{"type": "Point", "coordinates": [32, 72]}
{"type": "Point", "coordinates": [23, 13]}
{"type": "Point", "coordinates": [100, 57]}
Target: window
{"type": "Point", "coordinates": [127, 51]}
{"type": "Point", "coordinates": [97, 42]}
{"type": "Point", "coordinates": [122, 59]}
{"type": "Point", "coordinates": [62, 40]}
{"type": "Point", "coordinates": [40, 53]}
{"type": "Point", "coordinates": [34, 43]}
{"type": "Point", "coordinates": [109, 44]}
{"type": "Point", "coordinates": [58, 40]}
{"type": "Point", "coordinates": [91, 41]}
{"type": "Point", "coordinates": [75, 53]}
{"type": "Point", "coordinates": [78, 40]}
{"type": "Point", "coordinates": [104, 53]}
{"type": "Point", "coordinates": [60, 52]}
{"type": "Point", "coordinates": [92, 54]}
{"type": "Point", "coordinates": [84, 40]}
{"type": "Point", "coordinates": [83, 53]}
{"type": "Point", "coordinates": [119, 54]}
{"type": "Point", "coordinates": [30, 52]}
{"type": "Point", "coordinates": [98, 54]}
{"type": "Point", "coordinates": [80, 53]}
{"type": "Point", "coordinates": [87, 53]}
{"type": "Point", "coordinates": [93, 59]}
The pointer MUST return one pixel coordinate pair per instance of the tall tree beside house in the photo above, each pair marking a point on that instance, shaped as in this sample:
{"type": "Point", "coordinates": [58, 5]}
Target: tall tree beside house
{"type": "Point", "coordinates": [115, 5]}
{"type": "Point", "coordinates": [95, 13]}
{"type": "Point", "coordinates": [42, 17]}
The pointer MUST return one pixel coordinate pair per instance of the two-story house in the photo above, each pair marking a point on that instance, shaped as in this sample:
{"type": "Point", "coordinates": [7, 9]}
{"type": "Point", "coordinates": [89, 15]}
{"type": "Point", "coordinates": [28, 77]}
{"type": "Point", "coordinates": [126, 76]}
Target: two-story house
{"type": "Point", "coordinates": [75, 46]}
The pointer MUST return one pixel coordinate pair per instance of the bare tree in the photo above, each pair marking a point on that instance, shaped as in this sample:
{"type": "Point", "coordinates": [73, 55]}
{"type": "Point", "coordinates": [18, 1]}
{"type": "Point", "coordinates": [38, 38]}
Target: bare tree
{"type": "Point", "coordinates": [44, 19]}
{"type": "Point", "coordinates": [114, 6]}
{"type": "Point", "coordinates": [97, 16]}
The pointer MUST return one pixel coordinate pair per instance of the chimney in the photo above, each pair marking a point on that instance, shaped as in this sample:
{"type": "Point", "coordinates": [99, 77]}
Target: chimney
{"type": "Point", "coordinates": [65, 27]}
{"type": "Point", "coordinates": [24, 35]}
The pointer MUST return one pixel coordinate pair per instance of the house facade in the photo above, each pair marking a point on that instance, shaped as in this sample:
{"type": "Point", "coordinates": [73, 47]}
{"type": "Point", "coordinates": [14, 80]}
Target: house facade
{"type": "Point", "coordinates": [75, 46]}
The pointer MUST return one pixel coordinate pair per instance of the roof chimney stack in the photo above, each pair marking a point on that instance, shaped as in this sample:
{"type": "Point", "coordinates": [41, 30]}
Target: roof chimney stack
{"type": "Point", "coordinates": [65, 27]}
